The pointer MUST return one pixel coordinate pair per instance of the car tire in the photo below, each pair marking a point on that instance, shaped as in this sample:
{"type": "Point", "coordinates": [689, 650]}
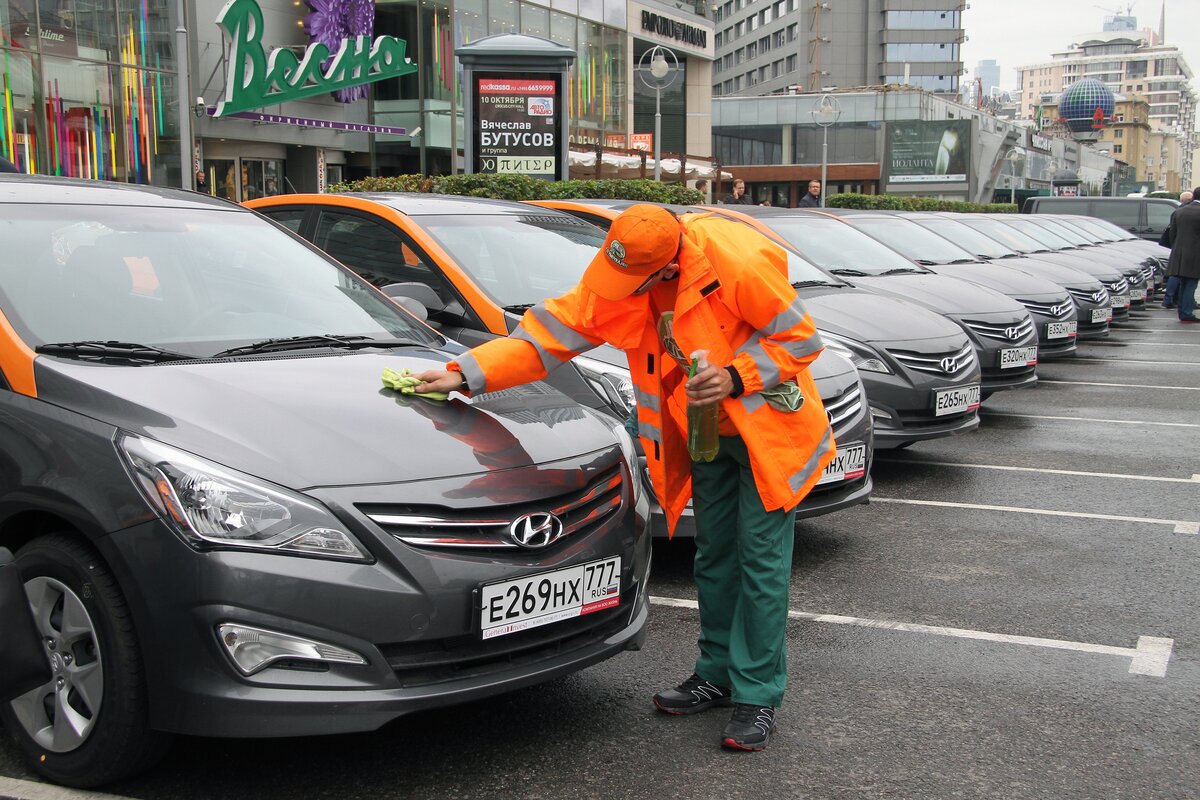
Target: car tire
{"type": "Point", "coordinates": [98, 692]}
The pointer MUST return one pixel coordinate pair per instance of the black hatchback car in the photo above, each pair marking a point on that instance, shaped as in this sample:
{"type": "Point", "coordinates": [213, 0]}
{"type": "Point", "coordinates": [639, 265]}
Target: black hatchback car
{"type": "Point", "coordinates": [227, 526]}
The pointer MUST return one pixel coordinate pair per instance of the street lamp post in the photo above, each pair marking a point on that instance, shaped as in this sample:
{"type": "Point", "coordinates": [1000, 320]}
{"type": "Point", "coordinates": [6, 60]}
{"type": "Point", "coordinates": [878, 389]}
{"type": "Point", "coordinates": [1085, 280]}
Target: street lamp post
{"type": "Point", "coordinates": [1013, 158]}
{"type": "Point", "coordinates": [1053, 167]}
{"type": "Point", "coordinates": [825, 114]}
{"type": "Point", "coordinates": [662, 75]}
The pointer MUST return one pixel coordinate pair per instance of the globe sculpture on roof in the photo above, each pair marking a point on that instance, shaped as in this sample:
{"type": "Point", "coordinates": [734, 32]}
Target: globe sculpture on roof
{"type": "Point", "coordinates": [1086, 106]}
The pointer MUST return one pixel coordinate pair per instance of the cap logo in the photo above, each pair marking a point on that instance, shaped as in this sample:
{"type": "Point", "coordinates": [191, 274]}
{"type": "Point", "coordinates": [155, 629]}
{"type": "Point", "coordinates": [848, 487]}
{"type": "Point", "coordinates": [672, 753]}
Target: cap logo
{"type": "Point", "coordinates": [616, 251]}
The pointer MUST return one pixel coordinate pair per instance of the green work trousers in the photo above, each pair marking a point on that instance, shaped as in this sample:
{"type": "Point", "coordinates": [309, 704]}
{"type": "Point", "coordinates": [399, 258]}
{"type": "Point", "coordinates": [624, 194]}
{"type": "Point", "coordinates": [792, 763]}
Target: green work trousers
{"type": "Point", "coordinates": [742, 571]}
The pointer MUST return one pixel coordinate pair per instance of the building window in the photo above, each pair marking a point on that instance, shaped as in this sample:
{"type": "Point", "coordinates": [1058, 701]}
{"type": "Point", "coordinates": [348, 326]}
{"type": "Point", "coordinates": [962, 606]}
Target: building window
{"type": "Point", "coordinates": [791, 64]}
{"type": "Point", "coordinates": [1118, 134]}
{"type": "Point", "coordinates": [792, 32]}
{"type": "Point", "coordinates": [1117, 148]}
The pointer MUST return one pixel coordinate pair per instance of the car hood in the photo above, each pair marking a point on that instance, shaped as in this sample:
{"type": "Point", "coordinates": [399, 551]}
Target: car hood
{"type": "Point", "coordinates": [941, 293]}
{"type": "Point", "coordinates": [867, 317]}
{"type": "Point", "coordinates": [1100, 271]}
{"type": "Point", "coordinates": [325, 420]}
{"type": "Point", "coordinates": [1060, 274]}
{"type": "Point", "coordinates": [1006, 281]}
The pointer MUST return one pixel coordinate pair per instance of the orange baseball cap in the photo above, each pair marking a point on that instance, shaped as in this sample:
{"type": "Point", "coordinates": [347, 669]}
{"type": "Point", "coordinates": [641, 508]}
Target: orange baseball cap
{"type": "Point", "coordinates": [641, 241]}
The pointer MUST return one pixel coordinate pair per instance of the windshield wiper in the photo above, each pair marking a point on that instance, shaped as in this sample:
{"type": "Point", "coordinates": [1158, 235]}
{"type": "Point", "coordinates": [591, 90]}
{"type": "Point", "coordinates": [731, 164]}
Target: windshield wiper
{"type": "Point", "coordinates": [964, 261]}
{"type": "Point", "coordinates": [854, 273]}
{"type": "Point", "coordinates": [813, 282]}
{"type": "Point", "coordinates": [101, 351]}
{"type": "Point", "coordinates": [904, 271]}
{"type": "Point", "coordinates": [318, 340]}
{"type": "Point", "coordinates": [925, 262]}
{"type": "Point", "coordinates": [519, 308]}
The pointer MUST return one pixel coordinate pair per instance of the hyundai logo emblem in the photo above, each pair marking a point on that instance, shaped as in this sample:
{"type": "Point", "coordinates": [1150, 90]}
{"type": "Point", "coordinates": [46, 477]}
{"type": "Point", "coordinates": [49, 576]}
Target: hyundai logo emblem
{"type": "Point", "coordinates": [536, 530]}
{"type": "Point", "coordinates": [1013, 334]}
{"type": "Point", "coordinates": [949, 365]}
{"type": "Point", "coordinates": [1060, 310]}
{"type": "Point", "coordinates": [1099, 297]}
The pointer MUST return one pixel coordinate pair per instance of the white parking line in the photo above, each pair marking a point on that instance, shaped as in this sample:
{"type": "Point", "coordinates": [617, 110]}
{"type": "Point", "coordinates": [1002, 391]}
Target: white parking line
{"type": "Point", "coordinates": [1179, 526]}
{"type": "Point", "coordinates": [1149, 657]}
{"type": "Point", "coordinates": [1126, 343]}
{"type": "Point", "coordinates": [1096, 419]}
{"type": "Point", "coordinates": [1117, 475]}
{"type": "Point", "coordinates": [1121, 385]}
{"type": "Point", "coordinates": [28, 790]}
{"type": "Point", "coordinates": [1082, 359]}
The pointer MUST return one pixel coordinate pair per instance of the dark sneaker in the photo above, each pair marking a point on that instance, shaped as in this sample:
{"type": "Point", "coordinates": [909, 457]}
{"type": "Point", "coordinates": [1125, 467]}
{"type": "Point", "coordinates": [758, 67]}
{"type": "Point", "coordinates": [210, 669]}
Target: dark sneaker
{"type": "Point", "coordinates": [693, 696]}
{"type": "Point", "coordinates": [749, 728]}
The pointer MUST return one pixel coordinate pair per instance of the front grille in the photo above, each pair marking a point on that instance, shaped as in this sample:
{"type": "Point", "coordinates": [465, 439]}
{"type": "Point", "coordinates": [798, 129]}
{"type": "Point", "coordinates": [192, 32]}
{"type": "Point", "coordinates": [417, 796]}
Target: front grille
{"type": "Point", "coordinates": [1002, 332]}
{"type": "Point", "coordinates": [951, 363]}
{"type": "Point", "coordinates": [1058, 309]}
{"type": "Point", "coordinates": [843, 408]}
{"type": "Point", "coordinates": [1117, 287]}
{"type": "Point", "coordinates": [1098, 297]}
{"type": "Point", "coordinates": [440, 527]}
{"type": "Point", "coordinates": [423, 663]}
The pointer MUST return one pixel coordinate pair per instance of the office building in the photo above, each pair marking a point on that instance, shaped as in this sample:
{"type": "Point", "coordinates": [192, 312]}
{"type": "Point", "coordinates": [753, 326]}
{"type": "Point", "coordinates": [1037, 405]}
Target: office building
{"type": "Point", "coordinates": [779, 46]}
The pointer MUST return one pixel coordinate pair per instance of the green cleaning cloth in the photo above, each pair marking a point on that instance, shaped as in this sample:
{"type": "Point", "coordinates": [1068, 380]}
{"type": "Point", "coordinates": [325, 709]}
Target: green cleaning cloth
{"type": "Point", "coordinates": [405, 382]}
{"type": "Point", "coordinates": [784, 397]}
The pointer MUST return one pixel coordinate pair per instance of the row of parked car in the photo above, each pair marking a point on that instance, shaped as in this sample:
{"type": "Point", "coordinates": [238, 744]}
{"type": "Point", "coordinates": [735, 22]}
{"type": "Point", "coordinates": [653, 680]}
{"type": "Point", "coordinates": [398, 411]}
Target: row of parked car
{"type": "Point", "coordinates": [226, 525]}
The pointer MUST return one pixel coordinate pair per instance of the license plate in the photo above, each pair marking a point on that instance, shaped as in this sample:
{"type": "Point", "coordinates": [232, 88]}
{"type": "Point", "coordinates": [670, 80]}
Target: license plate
{"type": "Point", "coordinates": [1064, 330]}
{"type": "Point", "coordinates": [956, 401]}
{"type": "Point", "coordinates": [1137, 294]}
{"type": "Point", "coordinates": [1018, 357]}
{"type": "Point", "coordinates": [1101, 314]}
{"type": "Point", "coordinates": [537, 600]}
{"type": "Point", "coordinates": [849, 463]}
{"type": "Point", "coordinates": [1120, 301]}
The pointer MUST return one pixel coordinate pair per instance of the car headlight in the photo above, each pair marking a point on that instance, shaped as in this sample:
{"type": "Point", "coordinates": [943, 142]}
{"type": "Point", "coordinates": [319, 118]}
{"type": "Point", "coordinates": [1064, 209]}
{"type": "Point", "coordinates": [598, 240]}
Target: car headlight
{"type": "Point", "coordinates": [860, 355]}
{"type": "Point", "coordinates": [611, 383]}
{"type": "Point", "coordinates": [212, 506]}
{"type": "Point", "coordinates": [629, 450]}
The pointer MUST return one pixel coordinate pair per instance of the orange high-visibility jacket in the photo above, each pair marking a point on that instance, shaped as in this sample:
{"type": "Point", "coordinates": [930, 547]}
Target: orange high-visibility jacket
{"type": "Point", "coordinates": [734, 300]}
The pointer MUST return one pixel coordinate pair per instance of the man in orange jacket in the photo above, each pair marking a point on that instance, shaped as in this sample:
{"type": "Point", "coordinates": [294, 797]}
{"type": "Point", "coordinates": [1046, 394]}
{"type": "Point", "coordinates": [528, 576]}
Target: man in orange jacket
{"type": "Point", "coordinates": [661, 288]}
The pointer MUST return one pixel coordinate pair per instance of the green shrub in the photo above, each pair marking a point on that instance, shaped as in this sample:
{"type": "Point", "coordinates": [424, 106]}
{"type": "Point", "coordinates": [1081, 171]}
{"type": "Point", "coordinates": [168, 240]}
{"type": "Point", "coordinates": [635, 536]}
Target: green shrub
{"type": "Point", "coordinates": [523, 187]}
{"type": "Point", "coordinates": [895, 202]}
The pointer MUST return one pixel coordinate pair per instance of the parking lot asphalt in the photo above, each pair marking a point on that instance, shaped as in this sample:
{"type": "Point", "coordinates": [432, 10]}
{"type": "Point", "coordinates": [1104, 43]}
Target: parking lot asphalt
{"type": "Point", "coordinates": [1012, 616]}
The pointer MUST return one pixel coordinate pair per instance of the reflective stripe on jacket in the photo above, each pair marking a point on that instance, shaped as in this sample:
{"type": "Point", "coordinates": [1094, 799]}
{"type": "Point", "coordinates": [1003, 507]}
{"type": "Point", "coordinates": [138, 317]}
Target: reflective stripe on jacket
{"type": "Point", "coordinates": [734, 300]}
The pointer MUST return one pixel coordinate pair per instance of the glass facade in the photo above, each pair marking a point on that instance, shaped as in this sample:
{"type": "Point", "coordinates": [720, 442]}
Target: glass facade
{"type": "Point", "coordinates": [596, 92]}
{"type": "Point", "coordinates": [88, 89]}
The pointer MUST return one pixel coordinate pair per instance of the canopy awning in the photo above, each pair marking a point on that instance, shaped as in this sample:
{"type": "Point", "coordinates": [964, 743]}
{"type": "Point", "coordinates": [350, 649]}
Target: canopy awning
{"type": "Point", "coordinates": [620, 165]}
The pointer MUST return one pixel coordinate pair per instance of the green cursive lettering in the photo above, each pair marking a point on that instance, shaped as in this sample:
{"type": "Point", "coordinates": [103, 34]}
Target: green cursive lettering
{"type": "Point", "coordinates": [255, 80]}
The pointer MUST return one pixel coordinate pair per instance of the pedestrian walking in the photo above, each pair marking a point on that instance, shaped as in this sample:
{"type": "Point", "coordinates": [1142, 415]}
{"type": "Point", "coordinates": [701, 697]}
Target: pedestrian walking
{"type": "Point", "coordinates": [662, 288]}
{"type": "Point", "coordinates": [812, 198]}
{"type": "Point", "coordinates": [738, 196]}
{"type": "Point", "coordinates": [1185, 256]}
{"type": "Point", "coordinates": [1171, 291]}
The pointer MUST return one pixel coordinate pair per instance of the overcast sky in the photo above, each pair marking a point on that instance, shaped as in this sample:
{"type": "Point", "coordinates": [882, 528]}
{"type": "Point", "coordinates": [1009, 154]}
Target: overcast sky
{"type": "Point", "coordinates": [1021, 32]}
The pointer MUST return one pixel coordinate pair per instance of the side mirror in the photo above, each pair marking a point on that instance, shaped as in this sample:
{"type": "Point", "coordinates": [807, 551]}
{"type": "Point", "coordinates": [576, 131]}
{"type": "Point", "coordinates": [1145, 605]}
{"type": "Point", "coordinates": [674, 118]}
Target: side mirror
{"type": "Point", "coordinates": [419, 292]}
{"type": "Point", "coordinates": [414, 307]}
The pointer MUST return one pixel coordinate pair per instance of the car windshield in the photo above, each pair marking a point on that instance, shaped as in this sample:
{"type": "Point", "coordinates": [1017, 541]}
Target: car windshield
{"type": "Point", "coordinates": [518, 259]}
{"type": "Point", "coordinates": [1038, 233]}
{"type": "Point", "coordinates": [194, 281]}
{"type": "Point", "coordinates": [1115, 231]}
{"type": "Point", "coordinates": [1064, 229]}
{"type": "Point", "coordinates": [912, 240]}
{"type": "Point", "coordinates": [1005, 234]}
{"type": "Point", "coordinates": [833, 245]}
{"type": "Point", "coordinates": [965, 237]}
{"type": "Point", "coordinates": [1095, 231]}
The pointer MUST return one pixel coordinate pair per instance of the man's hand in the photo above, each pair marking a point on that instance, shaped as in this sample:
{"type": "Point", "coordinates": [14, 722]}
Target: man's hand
{"type": "Point", "coordinates": [438, 380]}
{"type": "Point", "coordinates": [710, 386]}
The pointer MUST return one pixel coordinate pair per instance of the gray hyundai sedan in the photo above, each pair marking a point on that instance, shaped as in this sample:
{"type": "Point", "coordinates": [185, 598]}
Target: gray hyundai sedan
{"type": "Point", "coordinates": [227, 525]}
